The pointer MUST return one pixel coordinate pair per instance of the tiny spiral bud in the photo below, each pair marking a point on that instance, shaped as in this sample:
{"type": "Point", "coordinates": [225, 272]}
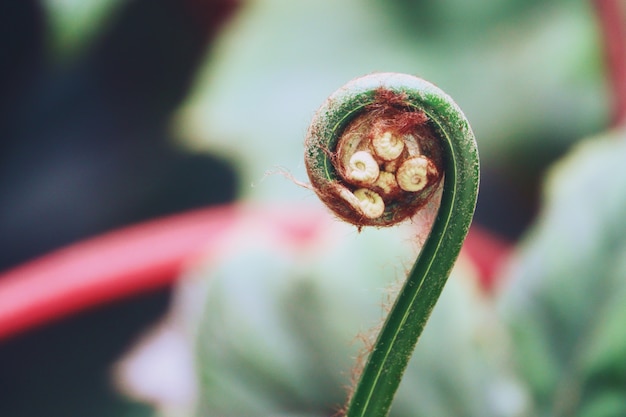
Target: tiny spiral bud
{"type": "Point", "coordinates": [363, 201]}
{"type": "Point", "coordinates": [413, 174]}
{"type": "Point", "coordinates": [370, 203]}
{"type": "Point", "coordinates": [388, 146]}
{"type": "Point", "coordinates": [362, 168]}
{"type": "Point", "coordinates": [360, 144]}
{"type": "Point", "coordinates": [387, 183]}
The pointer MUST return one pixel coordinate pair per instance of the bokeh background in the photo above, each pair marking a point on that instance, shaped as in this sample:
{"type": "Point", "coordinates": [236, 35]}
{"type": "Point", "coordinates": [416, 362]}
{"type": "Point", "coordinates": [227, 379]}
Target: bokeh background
{"type": "Point", "coordinates": [115, 112]}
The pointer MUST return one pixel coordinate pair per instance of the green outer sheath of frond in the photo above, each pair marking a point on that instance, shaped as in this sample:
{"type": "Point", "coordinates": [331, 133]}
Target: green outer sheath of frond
{"type": "Point", "coordinates": [396, 342]}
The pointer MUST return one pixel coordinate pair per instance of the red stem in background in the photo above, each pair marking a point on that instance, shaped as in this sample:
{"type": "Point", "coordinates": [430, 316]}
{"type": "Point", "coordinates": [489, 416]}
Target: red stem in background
{"type": "Point", "coordinates": [151, 255]}
{"type": "Point", "coordinates": [113, 266]}
{"type": "Point", "coordinates": [211, 15]}
{"type": "Point", "coordinates": [488, 253]}
{"type": "Point", "coordinates": [611, 15]}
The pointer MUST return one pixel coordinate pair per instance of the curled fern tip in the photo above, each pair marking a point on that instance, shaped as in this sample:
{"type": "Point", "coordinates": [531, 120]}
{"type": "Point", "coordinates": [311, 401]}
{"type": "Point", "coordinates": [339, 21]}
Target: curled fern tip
{"type": "Point", "coordinates": [376, 152]}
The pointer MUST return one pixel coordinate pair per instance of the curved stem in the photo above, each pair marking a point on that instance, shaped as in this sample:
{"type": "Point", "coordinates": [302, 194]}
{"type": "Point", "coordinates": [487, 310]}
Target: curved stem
{"type": "Point", "coordinates": [398, 337]}
{"type": "Point", "coordinates": [387, 362]}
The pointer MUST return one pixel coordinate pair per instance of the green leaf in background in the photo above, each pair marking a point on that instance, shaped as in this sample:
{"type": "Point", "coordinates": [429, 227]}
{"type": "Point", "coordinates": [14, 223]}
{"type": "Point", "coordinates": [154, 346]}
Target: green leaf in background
{"type": "Point", "coordinates": [272, 327]}
{"type": "Point", "coordinates": [275, 330]}
{"type": "Point", "coordinates": [73, 23]}
{"type": "Point", "coordinates": [565, 301]}
{"type": "Point", "coordinates": [529, 78]}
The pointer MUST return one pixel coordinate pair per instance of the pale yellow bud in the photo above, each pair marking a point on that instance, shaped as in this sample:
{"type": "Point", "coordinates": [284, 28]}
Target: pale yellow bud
{"type": "Point", "coordinates": [371, 204]}
{"type": "Point", "coordinates": [362, 168]}
{"type": "Point", "coordinates": [387, 182]}
{"type": "Point", "coordinates": [387, 146]}
{"type": "Point", "coordinates": [365, 202]}
{"type": "Point", "coordinates": [412, 174]}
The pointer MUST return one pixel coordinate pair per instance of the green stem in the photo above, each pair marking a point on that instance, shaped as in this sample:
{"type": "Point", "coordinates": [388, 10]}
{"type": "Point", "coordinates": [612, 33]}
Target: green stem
{"type": "Point", "coordinates": [387, 362]}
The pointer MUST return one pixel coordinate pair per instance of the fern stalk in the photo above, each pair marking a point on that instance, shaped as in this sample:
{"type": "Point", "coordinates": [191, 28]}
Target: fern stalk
{"type": "Point", "coordinates": [348, 123]}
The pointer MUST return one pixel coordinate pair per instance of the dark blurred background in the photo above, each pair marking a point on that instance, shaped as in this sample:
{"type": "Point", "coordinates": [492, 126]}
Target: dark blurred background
{"type": "Point", "coordinates": [85, 148]}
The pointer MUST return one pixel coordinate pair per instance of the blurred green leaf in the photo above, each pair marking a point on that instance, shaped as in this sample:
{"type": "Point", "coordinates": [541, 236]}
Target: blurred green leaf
{"type": "Point", "coordinates": [278, 333]}
{"type": "Point", "coordinates": [565, 302]}
{"type": "Point", "coordinates": [529, 78]}
{"type": "Point", "coordinates": [73, 23]}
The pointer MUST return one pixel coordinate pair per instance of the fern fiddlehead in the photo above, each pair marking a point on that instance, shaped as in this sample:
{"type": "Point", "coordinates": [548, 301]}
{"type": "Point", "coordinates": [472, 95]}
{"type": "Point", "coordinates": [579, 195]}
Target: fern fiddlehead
{"type": "Point", "coordinates": [376, 152]}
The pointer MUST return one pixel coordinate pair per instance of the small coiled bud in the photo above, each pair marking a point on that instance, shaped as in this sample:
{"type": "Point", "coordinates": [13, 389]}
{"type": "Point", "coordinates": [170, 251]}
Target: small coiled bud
{"type": "Point", "coordinates": [388, 146]}
{"type": "Point", "coordinates": [363, 169]}
{"type": "Point", "coordinates": [412, 175]}
{"type": "Point", "coordinates": [372, 154]}
{"type": "Point", "coordinates": [370, 203]}
{"type": "Point", "coordinates": [387, 183]}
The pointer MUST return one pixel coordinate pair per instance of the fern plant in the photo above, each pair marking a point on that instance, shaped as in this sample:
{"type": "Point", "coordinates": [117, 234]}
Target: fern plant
{"type": "Point", "coordinates": [376, 153]}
